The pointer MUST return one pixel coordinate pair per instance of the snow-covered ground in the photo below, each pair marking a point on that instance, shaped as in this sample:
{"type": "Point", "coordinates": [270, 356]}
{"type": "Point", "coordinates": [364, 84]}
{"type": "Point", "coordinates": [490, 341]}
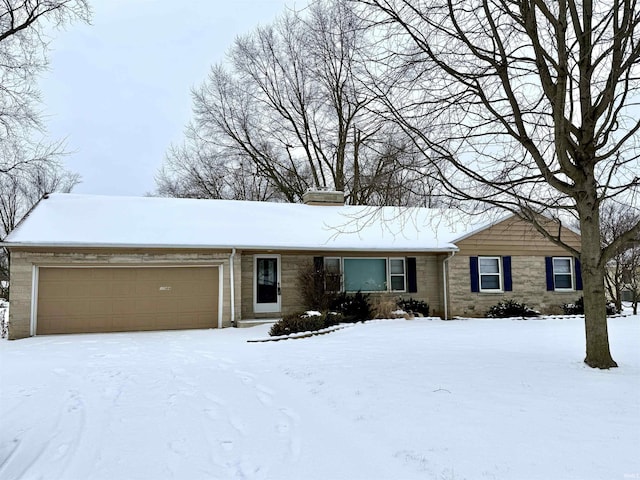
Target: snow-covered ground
{"type": "Point", "coordinates": [392, 399]}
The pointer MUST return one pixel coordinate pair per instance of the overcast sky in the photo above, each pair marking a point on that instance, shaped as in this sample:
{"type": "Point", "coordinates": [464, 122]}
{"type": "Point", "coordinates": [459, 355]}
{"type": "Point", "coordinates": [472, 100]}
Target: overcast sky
{"type": "Point", "coordinates": [119, 89]}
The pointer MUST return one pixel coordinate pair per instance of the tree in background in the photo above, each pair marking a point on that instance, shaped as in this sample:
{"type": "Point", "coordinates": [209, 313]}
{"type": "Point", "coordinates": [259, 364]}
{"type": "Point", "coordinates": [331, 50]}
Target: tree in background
{"type": "Point", "coordinates": [290, 110]}
{"type": "Point", "coordinates": [18, 194]}
{"type": "Point", "coordinates": [527, 105]}
{"type": "Point", "coordinates": [29, 164]}
{"type": "Point", "coordinates": [623, 270]}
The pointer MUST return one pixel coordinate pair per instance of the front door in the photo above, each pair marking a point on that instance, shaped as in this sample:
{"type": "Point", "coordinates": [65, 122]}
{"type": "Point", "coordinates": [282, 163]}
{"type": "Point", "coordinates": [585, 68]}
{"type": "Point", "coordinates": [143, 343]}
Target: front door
{"type": "Point", "coordinates": [266, 288]}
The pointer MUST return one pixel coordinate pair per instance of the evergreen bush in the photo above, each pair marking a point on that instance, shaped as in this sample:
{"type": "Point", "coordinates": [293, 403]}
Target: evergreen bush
{"type": "Point", "coordinates": [511, 308]}
{"type": "Point", "coordinates": [577, 308]}
{"type": "Point", "coordinates": [353, 308]}
{"type": "Point", "coordinates": [304, 322]}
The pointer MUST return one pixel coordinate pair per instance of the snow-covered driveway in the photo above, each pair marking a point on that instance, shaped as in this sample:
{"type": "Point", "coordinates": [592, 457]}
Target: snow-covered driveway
{"type": "Point", "coordinates": [482, 399]}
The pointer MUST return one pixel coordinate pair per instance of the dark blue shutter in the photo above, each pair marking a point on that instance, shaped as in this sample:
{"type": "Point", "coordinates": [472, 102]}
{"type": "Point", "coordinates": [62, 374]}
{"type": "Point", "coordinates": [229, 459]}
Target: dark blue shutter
{"type": "Point", "coordinates": [412, 277]}
{"type": "Point", "coordinates": [548, 262]}
{"type": "Point", "coordinates": [318, 274]}
{"type": "Point", "coordinates": [473, 269]}
{"type": "Point", "coordinates": [506, 269]}
{"type": "Point", "coordinates": [578, 273]}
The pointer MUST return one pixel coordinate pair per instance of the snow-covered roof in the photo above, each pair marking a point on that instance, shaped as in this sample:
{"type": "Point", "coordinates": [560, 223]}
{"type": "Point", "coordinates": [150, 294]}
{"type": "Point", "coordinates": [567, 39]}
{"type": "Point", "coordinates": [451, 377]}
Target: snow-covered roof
{"type": "Point", "coordinates": [110, 221]}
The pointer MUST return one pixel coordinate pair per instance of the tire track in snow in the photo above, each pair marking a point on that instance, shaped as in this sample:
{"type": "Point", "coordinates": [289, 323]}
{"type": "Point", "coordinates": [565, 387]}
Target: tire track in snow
{"type": "Point", "coordinates": [32, 448]}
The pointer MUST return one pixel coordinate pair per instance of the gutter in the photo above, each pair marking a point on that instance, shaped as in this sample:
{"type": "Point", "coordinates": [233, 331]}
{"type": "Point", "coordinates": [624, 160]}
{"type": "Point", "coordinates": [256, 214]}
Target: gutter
{"type": "Point", "coordinates": [445, 264]}
{"type": "Point", "coordinates": [172, 246]}
{"type": "Point", "coordinates": [232, 287]}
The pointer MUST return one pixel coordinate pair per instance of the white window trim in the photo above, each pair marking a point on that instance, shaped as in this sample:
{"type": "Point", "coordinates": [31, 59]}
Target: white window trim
{"type": "Point", "coordinates": [500, 275]}
{"type": "Point", "coordinates": [403, 275]}
{"type": "Point", "coordinates": [571, 273]}
{"type": "Point", "coordinates": [388, 274]}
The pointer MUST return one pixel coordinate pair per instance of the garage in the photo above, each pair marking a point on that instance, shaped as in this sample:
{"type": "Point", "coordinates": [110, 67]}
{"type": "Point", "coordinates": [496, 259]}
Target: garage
{"type": "Point", "coordinates": [119, 299]}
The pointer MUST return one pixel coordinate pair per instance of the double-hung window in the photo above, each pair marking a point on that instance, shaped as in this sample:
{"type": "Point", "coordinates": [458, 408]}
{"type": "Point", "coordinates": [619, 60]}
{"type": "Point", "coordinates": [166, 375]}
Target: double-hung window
{"type": "Point", "coordinates": [489, 270]}
{"type": "Point", "coordinates": [491, 274]}
{"type": "Point", "coordinates": [563, 273]}
{"type": "Point", "coordinates": [397, 274]}
{"type": "Point", "coordinates": [332, 274]}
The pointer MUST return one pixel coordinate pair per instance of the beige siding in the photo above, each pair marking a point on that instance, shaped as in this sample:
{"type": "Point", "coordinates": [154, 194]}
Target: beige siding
{"type": "Point", "coordinates": [516, 237]}
{"type": "Point", "coordinates": [428, 270]}
{"type": "Point", "coordinates": [23, 261]}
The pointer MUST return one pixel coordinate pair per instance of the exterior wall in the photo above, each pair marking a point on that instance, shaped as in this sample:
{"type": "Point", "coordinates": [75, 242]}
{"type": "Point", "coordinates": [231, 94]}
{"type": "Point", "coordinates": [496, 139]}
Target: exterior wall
{"type": "Point", "coordinates": [23, 261]}
{"type": "Point", "coordinates": [428, 272]}
{"type": "Point", "coordinates": [516, 237]}
{"type": "Point", "coordinates": [529, 286]}
{"type": "Point", "coordinates": [528, 249]}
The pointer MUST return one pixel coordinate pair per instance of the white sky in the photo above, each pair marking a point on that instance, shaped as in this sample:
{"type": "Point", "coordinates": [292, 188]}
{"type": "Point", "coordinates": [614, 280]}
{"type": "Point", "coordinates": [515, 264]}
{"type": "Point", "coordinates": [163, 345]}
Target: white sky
{"type": "Point", "coordinates": [119, 89]}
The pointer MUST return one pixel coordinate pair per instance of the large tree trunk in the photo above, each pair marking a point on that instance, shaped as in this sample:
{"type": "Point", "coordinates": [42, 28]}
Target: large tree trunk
{"type": "Point", "coordinates": [595, 313]}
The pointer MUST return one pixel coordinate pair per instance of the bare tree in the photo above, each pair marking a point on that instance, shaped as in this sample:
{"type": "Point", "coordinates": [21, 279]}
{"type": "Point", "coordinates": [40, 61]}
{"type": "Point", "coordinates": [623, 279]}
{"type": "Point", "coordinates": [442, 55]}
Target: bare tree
{"type": "Point", "coordinates": [20, 192]}
{"type": "Point", "coordinates": [193, 171]}
{"type": "Point", "coordinates": [29, 164]}
{"type": "Point", "coordinates": [527, 105]}
{"type": "Point", "coordinates": [291, 107]}
{"type": "Point", "coordinates": [23, 48]}
{"type": "Point", "coordinates": [623, 269]}
{"type": "Point", "coordinates": [631, 275]}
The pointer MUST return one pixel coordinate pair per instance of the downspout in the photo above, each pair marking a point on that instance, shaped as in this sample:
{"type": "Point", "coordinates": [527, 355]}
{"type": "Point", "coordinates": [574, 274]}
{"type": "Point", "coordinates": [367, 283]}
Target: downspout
{"type": "Point", "coordinates": [444, 280]}
{"type": "Point", "coordinates": [232, 287]}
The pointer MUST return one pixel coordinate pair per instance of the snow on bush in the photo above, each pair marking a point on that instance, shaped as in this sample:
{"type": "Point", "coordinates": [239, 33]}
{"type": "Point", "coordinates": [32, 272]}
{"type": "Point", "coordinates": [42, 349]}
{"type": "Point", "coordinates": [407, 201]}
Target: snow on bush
{"type": "Point", "coordinates": [577, 308]}
{"type": "Point", "coordinates": [309, 321]}
{"type": "Point", "coordinates": [511, 308]}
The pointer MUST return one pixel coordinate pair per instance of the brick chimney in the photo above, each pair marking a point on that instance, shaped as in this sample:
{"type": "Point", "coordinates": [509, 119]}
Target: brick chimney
{"type": "Point", "coordinates": [323, 197]}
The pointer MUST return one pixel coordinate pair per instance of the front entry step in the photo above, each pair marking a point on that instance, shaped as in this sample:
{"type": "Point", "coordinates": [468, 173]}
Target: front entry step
{"type": "Point", "coordinates": [252, 322]}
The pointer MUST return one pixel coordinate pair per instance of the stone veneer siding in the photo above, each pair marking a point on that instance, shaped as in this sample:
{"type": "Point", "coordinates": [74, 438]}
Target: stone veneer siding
{"type": "Point", "coordinates": [529, 286]}
{"type": "Point", "coordinates": [22, 262]}
{"type": "Point", "coordinates": [428, 272]}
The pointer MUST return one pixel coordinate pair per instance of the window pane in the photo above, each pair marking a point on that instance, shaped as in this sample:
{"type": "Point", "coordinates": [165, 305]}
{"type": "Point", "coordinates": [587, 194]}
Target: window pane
{"type": "Point", "coordinates": [561, 265]}
{"type": "Point", "coordinates": [490, 282]}
{"type": "Point", "coordinates": [366, 274]}
{"type": "Point", "coordinates": [489, 265]}
{"type": "Point", "coordinates": [332, 265]}
{"type": "Point", "coordinates": [397, 266]}
{"type": "Point", "coordinates": [397, 282]}
{"type": "Point", "coordinates": [563, 281]}
{"type": "Point", "coordinates": [332, 282]}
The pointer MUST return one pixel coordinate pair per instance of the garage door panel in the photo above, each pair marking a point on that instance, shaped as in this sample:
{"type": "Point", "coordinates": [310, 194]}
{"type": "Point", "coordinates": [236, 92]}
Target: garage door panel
{"type": "Point", "coordinates": [100, 306]}
{"type": "Point", "coordinates": [74, 300]}
{"type": "Point", "coordinates": [99, 290]}
{"type": "Point", "coordinates": [124, 289]}
{"type": "Point", "coordinates": [56, 289]}
{"type": "Point", "coordinates": [123, 305]}
{"type": "Point", "coordinates": [103, 274]}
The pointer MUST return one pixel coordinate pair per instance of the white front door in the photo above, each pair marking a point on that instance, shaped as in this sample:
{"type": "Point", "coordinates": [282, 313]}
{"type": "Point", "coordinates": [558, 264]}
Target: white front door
{"type": "Point", "coordinates": [266, 283]}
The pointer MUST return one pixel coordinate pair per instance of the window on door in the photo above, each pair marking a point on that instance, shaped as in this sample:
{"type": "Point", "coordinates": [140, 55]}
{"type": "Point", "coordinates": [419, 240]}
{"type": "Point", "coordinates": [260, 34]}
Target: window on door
{"type": "Point", "coordinates": [267, 283]}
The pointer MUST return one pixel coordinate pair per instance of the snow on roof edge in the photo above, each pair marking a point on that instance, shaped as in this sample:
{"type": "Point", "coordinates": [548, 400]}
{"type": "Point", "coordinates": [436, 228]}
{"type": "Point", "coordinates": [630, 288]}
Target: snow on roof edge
{"type": "Point", "coordinates": [447, 248]}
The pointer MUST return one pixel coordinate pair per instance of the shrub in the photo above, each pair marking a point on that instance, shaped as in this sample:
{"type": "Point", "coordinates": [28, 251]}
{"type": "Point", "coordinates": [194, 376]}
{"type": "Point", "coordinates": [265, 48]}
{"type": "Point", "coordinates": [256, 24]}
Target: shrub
{"type": "Point", "coordinates": [353, 308]}
{"type": "Point", "coordinates": [511, 308]}
{"type": "Point", "coordinates": [386, 308]}
{"type": "Point", "coordinates": [577, 308]}
{"type": "Point", "coordinates": [414, 307]}
{"type": "Point", "coordinates": [303, 322]}
{"type": "Point", "coordinates": [312, 284]}
{"type": "Point", "coordinates": [4, 319]}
